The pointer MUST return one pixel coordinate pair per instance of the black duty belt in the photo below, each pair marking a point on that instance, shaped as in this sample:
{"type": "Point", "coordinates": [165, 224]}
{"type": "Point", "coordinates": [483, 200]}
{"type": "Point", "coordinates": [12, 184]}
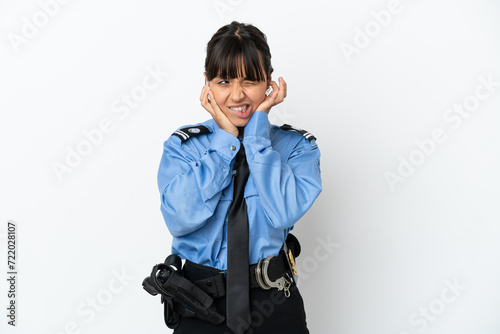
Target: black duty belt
{"type": "Point", "coordinates": [190, 291]}
{"type": "Point", "coordinates": [273, 272]}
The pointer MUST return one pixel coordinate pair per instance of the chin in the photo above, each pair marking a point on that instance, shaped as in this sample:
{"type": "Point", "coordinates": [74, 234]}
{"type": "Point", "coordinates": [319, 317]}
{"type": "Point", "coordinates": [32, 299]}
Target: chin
{"type": "Point", "coordinates": [241, 123]}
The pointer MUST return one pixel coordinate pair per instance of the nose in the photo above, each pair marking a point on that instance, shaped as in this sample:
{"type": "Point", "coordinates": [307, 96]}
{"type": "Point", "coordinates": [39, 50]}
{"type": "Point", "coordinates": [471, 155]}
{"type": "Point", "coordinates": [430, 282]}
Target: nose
{"type": "Point", "coordinates": [237, 93]}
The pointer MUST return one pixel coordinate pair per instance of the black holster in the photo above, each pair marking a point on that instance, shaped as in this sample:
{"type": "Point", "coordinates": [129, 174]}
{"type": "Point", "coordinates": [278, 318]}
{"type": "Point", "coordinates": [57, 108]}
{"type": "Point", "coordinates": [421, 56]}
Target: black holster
{"type": "Point", "coordinates": [181, 298]}
{"type": "Point", "coordinates": [293, 244]}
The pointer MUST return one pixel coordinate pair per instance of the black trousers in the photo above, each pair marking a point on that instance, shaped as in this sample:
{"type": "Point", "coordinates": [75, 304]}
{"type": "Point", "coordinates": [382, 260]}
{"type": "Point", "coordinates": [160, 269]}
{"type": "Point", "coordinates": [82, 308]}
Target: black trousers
{"type": "Point", "coordinates": [270, 311]}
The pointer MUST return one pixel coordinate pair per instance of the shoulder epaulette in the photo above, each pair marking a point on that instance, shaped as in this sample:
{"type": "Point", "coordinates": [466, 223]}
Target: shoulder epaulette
{"type": "Point", "coordinates": [191, 131]}
{"type": "Point", "coordinates": [288, 127]}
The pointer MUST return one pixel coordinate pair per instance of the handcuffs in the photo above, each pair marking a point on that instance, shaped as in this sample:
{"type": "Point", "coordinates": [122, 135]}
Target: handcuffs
{"type": "Point", "coordinates": [281, 283]}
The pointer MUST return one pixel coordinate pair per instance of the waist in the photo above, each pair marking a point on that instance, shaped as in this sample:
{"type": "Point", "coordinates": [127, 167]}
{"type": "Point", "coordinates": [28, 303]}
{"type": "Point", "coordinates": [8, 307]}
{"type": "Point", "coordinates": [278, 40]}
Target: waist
{"type": "Point", "coordinates": [204, 246]}
{"type": "Point", "coordinates": [213, 280]}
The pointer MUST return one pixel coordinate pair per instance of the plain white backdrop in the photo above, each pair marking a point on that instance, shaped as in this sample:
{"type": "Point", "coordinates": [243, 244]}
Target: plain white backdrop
{"type": "Point", "coordinates": [403, 97]}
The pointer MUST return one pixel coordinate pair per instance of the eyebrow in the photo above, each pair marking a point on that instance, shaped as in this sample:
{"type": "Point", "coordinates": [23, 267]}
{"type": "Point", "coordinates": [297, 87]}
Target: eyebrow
{"type": "Point", "coordinates": [245, 78]}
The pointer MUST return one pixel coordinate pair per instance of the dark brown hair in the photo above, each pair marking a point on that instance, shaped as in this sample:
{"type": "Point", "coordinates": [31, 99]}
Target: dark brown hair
{"type": "Point", "coordinates": [236, 47]}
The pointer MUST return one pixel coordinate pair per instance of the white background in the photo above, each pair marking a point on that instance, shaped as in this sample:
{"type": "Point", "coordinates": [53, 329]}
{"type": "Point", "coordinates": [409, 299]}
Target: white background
{"type": "Point", "coordinates": [395, 248]}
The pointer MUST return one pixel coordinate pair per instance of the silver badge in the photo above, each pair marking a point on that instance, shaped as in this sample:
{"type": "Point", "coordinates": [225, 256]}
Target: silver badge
{"type": "Point", "coordinates": [194, 130]}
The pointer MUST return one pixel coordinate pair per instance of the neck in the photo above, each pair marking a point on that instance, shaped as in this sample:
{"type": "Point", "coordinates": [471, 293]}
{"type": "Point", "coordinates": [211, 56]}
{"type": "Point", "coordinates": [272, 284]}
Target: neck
{"type": "Point", "coordinates": [241, 130]}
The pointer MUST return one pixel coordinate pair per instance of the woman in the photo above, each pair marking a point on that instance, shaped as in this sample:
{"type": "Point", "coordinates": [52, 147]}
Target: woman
{"type": "Point", "coordinates": [233, 187]}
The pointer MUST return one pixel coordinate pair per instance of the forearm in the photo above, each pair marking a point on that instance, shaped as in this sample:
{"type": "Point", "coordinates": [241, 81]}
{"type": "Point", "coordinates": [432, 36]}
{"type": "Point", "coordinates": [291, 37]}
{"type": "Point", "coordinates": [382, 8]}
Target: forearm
{"type": "Point", "coordinates": [287, 186]}
{"type": "Point", "coordinates": [191, 182]}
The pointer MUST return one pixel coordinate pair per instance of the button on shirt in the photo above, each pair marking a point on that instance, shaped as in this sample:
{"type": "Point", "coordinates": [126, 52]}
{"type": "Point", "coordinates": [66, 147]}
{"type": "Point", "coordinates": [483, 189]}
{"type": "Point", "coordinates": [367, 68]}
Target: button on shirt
{"type": "Point", "coordinates": [195, 181]}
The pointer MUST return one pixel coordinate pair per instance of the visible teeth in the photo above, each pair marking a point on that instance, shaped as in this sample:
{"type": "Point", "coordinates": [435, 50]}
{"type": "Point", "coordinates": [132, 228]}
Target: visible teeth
{"type": "Point", "coordinates": [239, 108]}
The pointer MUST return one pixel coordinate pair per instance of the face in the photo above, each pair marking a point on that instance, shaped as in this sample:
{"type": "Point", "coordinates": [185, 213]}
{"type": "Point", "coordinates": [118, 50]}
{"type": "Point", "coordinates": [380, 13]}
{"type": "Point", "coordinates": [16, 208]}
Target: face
{"type": "Point", "coordinates": [238, 98]}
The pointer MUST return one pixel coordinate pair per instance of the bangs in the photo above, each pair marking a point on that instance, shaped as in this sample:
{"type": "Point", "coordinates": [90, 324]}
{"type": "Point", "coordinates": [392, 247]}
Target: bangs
{"type": "Point", "coordinates": [232, 60]}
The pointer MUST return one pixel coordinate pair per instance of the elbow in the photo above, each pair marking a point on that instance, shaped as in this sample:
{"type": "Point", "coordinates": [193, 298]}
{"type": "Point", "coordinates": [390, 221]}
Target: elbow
{"type": "Point", "coordinates": [285, 217]}
{"type": "Point", "coordinates": [290, 213]}
{"type": "Point", "coordinates": [175, 225]}
{"type": "Point", "coordinates": [318, 191]}
{"type": "Point", "coordinates": [175, 229]}
{"type": "Point", "coordinates": [182, 216]}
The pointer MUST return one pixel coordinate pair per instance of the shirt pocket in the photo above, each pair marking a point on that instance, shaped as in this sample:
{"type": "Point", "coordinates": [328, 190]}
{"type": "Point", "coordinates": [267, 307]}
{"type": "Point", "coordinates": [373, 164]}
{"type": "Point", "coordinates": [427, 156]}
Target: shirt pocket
{"type": "Point", "coordinates": [225, 201]}
{"type": "Point", "coordinates": [250, 189]}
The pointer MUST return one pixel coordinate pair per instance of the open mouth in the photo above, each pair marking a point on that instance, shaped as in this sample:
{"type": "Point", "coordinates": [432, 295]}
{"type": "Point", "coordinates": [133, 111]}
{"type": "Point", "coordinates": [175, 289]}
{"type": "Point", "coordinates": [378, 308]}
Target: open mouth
{"type": "Point", "coordinates": [241, 110]}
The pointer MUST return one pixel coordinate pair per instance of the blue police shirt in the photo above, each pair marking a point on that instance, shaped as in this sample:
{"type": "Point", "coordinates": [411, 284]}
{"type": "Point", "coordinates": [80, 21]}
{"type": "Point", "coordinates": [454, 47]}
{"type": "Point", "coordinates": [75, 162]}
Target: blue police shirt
{"type": "Point", "coordinates": [196, 186]}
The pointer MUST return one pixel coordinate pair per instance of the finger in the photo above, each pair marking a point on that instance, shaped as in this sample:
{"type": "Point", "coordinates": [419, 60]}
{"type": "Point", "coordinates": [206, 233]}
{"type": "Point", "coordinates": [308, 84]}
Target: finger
{"type": "Point", "coordinates": [206, 103]}
{"type": "Point", "coordinates": [203, 91]}
{"type": "Point", "coordinates": [204, 95]}
{"type": "Point", "coordinates": [212, 102]}
{"type": "Point", "coordinates": [214, 105]}
{"type": "Point", "coordinates": [283, 87]}
{"type": "Point", "coordinates": [274, 94]}
{"type": "Point", "coordinates": [218, 114]}
{"type": "Point", "coordinates": [281, 93]}
{"type": "Point", "coordinates": [220, 118]}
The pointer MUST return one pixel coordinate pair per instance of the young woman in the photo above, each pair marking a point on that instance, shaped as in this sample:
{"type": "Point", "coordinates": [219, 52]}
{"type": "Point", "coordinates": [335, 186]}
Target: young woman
{"type": "Point", "coordinates": [204, 193]}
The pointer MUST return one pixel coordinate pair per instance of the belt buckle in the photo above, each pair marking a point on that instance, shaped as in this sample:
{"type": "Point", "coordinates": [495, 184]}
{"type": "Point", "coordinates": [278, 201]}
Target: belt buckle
{"type": "Point", "coordinates": [265, 282]}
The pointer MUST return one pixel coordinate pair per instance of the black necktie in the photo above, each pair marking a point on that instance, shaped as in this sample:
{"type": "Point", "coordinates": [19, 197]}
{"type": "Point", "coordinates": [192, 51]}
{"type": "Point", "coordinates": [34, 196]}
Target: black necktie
{"type": "Point", "coordinates": [237, 294]}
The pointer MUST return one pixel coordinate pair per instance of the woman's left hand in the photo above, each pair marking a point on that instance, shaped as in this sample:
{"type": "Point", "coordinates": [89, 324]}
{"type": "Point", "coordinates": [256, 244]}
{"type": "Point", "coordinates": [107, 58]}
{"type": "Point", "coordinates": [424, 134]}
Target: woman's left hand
{"type": "Point", "coordinates": [277, 96]}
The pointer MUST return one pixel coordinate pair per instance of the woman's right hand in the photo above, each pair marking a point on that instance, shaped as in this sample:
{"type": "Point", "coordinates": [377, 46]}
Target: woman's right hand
{"type": "Point", "coordinates": [211, 106]}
